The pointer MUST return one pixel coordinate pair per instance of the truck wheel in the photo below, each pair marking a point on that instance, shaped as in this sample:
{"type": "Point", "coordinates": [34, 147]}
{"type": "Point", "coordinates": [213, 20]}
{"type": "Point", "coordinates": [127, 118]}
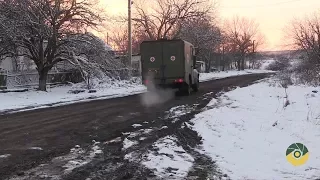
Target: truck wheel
{"type": "Point", "coordinates": [196, 86]}
{"type": "Point", "coordinates": [188, 90]}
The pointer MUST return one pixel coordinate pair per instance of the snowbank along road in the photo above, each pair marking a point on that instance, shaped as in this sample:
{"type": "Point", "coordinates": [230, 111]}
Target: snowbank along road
{"type": "Point", "coordinates": [112, 139]}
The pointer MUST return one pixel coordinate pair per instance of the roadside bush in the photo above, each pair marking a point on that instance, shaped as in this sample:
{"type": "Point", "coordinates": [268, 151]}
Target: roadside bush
{"type": "Point", "coordinates": [107, 83]}
{"type": "Point", "coordinates": [285, 79]}
{"type": "Point", "coordinates": [280, 64]}
{"type": "Point", "coordinates": [301, 70]}
{"type": "Point", "coordinates": [308, 75]}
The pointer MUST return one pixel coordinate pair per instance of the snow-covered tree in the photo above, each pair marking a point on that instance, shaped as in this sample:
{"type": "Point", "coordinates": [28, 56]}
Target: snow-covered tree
{"type": "Point", "coordinates": [91, 55]}
{"type": "Point", "coordinates": [46, 31]}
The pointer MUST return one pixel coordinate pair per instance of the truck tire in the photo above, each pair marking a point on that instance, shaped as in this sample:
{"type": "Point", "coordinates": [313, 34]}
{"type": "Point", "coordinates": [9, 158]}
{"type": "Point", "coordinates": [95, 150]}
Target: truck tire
{"type": "Point", "coordinates": [195, 87]}
{"type": "Point", "coordinates": [187, 90]}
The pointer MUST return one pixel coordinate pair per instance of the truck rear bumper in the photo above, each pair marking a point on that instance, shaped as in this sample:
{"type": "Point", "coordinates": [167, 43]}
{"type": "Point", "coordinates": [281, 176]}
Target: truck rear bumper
{"type": "Point", "coordinates": [172, 83]}
{"type": "Point", "coordinates": [166, 86]}
{"type": "Point", "coordinates": [171, 86]}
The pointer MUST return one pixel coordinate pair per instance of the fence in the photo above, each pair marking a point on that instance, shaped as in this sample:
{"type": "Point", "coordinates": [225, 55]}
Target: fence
{"type": "Point", "coordinates": [124, 73]}
{"type": "Point", "coordinates": [30, 79]}
{"type": "Point", "coordinates": [10, 80]}
{"type": "Point", "coordinates": [3, 80]}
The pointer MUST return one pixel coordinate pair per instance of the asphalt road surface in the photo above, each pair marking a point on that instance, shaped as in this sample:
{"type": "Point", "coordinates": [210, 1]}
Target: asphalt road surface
{"type": "Point", "coordinates": [32, 139]}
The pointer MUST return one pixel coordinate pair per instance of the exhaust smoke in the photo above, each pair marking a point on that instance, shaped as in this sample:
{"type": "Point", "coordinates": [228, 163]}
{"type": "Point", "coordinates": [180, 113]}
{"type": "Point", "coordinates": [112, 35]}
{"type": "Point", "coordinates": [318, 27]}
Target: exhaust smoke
{"type": "Point", "coordinates": [155, 96]}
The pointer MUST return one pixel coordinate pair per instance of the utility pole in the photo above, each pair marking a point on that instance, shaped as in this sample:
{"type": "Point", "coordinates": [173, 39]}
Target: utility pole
{"type": "Point", "coordinates": [108, 38]}
{"type": "Point", "coordinates": [223, 62]}
{"type": "Point", "coordinates": [253, 45]}
{"type": "Point", "coordinates": [253, 55]}
{"type": "Point", "coordinates": [129, 35]}
{"type": "Point", "coordinates": [219, 59]}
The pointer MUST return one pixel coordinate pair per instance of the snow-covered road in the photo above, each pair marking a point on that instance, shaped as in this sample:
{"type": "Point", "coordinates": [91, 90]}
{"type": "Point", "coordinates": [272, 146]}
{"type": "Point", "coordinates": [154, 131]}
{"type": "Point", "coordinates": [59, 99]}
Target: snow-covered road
{"type": "Point", "coordinates": [108, 89]}
{"type": "Point", "coordinates": [224, 74]}
{"type": "Point", "coordinates": [157, 140]}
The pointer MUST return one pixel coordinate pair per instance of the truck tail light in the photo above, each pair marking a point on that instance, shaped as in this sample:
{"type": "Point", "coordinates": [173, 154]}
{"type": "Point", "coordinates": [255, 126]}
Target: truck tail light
{"type": "Point", "coordinates": [179, 80]}
{"type": "Point", "coordinates": [146, 81]}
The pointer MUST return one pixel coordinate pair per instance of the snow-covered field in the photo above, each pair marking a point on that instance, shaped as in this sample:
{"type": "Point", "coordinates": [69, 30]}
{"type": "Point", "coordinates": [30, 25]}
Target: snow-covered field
{"type": "Point", "coordinates": [107, 89]}
{"type": "Point", "coordinates": [266, 63]}
{"type": "Point", "coordinates": [248, 130]}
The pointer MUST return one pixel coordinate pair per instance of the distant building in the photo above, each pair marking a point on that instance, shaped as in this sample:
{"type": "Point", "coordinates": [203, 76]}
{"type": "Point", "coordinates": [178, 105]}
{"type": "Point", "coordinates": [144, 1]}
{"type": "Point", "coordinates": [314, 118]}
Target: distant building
{"type": "Point", "coordinates": [136, 63]}
{"type": "Point", "coordinates": [201, 66]}
{"type": "Point", "coordinates": [136, 60]}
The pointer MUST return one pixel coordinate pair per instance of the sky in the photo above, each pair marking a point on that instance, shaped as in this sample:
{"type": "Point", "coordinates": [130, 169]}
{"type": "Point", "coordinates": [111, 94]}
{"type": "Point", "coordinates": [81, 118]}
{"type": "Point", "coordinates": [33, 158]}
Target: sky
{"type": "Point", "coordinates": [272, 15]}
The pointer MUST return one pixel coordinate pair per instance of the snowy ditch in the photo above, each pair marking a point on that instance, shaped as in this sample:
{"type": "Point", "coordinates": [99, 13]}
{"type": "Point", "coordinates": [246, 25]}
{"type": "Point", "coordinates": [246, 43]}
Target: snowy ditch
{"type": "Point", "coordinates": [63, 165]}
{"type": "Point", "coordinates": [168, 160]}
{"type": "Point", "coordinates": [178, 111]}
{"type": "Point", "coordinates": [3, 156]}
{"type": "Point", "coordinates": [128, 142]}
{"type": "Point", "coordinates": [248, 130]}
{"type": "Point", "coordinates": [174, 114]}
{"type": "Point", "coordinates": [78, 157]}
{"type": "Point", "coordinates": [36, 148]}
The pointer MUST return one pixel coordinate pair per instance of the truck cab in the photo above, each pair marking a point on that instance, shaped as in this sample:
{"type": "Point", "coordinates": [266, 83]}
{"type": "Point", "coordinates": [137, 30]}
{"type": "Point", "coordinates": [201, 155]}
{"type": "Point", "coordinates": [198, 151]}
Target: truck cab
{"type": "Point", "coordinates": [201, 66]}
{"type": "Point", "coordinates": [169, 64]}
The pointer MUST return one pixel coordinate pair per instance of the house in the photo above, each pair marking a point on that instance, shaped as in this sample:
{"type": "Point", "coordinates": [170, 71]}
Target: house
{"type": "Point", "coordinates": [25, 64]}
{"type": "Point", "coordinates": [7, 64]}
{"type": "Point", "coordinates": [10, 64]}
{"type": "Point", "coordinates": [123, 57]}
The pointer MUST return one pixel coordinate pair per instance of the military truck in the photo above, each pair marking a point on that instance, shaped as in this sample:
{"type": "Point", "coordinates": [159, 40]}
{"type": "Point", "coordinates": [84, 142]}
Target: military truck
{"type": "Point", "coordinates": [169, 64]}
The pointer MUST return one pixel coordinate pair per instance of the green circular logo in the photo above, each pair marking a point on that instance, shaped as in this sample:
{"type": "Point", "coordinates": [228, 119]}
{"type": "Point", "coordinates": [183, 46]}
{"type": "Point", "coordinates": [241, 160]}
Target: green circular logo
{"type": "Point", "coordinates": [297, 154]}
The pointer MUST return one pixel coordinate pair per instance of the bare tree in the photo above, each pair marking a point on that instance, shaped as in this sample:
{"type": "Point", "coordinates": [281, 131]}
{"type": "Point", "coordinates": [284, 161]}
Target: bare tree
{"type": "Point", "coordinates": [305, 34]}
{"type": "Point", "coordinates": [120, 40]}
{"type": "Point", "coordinates": [204, 34]}
{"type": "Point", "coordinates": [165, 17]}
{"type": "Point", "coordinates": [241, 33]}
{"type": "Point", "coordinates": [45, 30]}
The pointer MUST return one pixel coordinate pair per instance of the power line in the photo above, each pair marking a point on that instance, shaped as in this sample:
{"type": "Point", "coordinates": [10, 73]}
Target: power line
{"type": "Point", "coordinates": [264, 5]}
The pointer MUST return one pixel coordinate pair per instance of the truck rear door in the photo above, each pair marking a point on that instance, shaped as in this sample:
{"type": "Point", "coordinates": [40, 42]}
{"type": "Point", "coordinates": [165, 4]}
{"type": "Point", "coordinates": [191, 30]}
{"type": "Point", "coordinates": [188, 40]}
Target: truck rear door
{"type": "Point", "coordinates": [151, 57]}
{"type": "Point", "coordinates": [163, 60]}
{"type": "Point", "coordinates": [173, 59]}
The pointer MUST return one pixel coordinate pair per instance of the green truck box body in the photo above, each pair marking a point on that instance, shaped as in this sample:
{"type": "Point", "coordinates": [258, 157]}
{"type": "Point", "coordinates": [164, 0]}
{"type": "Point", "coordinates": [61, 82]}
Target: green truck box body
{"type": "Point", "coordinates": [165, 61]}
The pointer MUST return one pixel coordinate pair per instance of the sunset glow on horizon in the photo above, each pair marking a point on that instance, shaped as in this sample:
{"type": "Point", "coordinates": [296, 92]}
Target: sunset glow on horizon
{"type": "Point", "coordinates": [272, 15]}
